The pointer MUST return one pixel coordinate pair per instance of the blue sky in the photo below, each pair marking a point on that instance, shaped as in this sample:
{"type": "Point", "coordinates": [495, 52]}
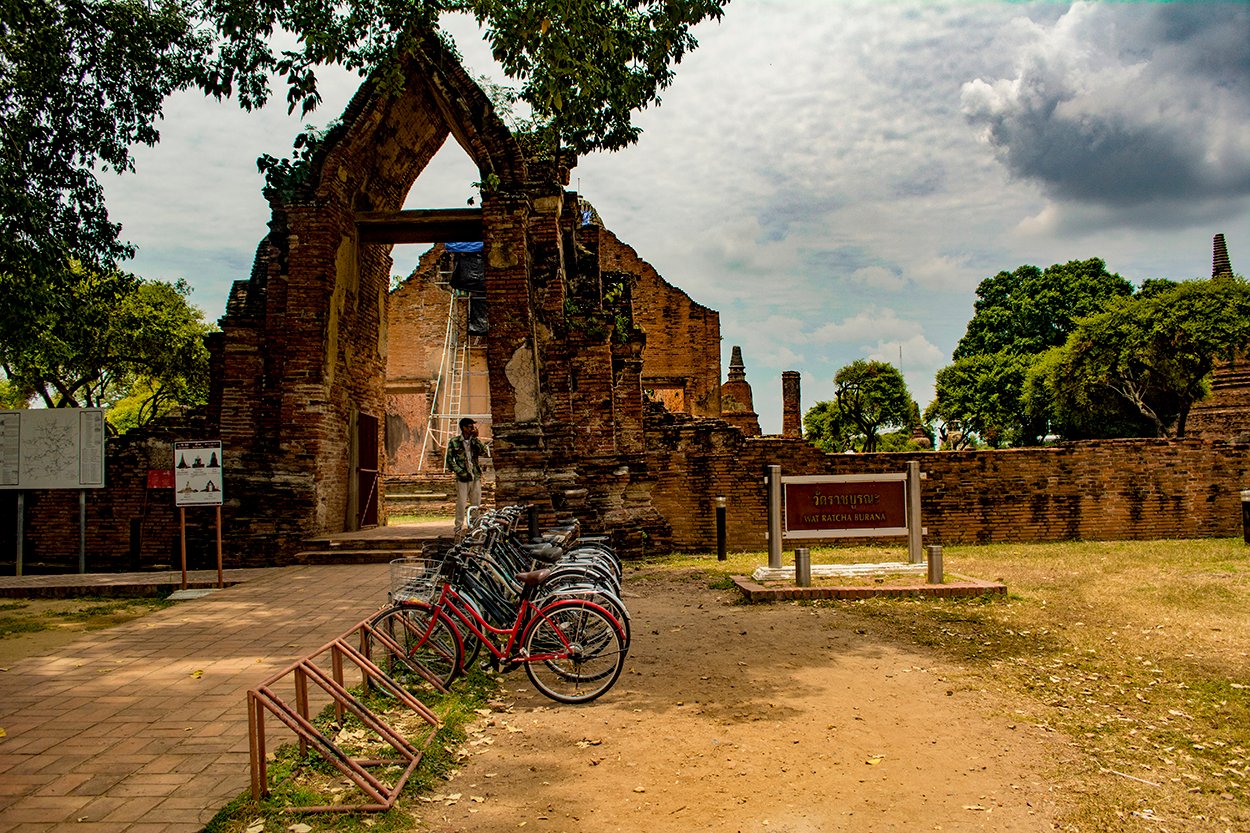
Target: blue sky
{"type": "Point", "coordinates": [834, 176]}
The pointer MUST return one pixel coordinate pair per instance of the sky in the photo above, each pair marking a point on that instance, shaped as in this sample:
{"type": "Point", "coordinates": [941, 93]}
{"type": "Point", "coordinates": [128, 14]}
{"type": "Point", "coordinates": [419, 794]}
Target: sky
{"type": "Point", "coordinates": [835, 177]}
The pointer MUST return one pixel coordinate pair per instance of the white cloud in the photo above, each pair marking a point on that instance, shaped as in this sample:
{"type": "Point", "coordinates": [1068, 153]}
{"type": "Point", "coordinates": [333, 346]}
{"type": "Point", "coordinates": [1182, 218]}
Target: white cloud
{"type": "Point", "coordinates": [865, 326]}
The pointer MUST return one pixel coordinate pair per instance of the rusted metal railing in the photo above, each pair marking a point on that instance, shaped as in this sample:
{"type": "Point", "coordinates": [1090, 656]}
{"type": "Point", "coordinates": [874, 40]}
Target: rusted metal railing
{"type": "Point", "coordinates": [357, 647]}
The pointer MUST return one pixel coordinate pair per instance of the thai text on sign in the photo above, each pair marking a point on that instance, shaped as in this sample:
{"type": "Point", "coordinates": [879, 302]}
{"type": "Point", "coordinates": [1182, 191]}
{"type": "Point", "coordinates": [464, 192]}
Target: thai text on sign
{"type": "Point", "coordinates": [845, 505]}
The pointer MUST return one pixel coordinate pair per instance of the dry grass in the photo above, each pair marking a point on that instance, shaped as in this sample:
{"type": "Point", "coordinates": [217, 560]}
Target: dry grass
{"type": "Point", "coordinates": [1136, 654]}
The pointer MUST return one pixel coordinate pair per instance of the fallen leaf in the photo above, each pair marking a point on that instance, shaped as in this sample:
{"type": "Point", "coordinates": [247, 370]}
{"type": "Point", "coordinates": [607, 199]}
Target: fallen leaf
{"type": "Point", "coordinates": [196, 674]}
{"type": "Point", "coordinates": [873, 761]}
{"type": "Point", "coordinates": [3, 734]}
{"type": "Point", "coordinates": [300, 828]}
{"type": "Point", "coordinates": [973, 807]}
{"type": "Point", "coordinates": [640, 789]}
{"type": "Point", "coordinates": [256, 826]}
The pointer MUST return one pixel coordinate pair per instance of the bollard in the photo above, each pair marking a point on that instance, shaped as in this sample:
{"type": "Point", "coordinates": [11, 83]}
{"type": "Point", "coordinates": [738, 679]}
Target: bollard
{"type": "Point", "coordinates": [1245, 515]}
{"type": "Point", "coordinates": [720, 529]}
{"type": "Point", "coordinates": [802, 567]}
{"type": "Point", "coordinates": [935, 563]}
{"type": "Point", "coordinates": [532, 512]}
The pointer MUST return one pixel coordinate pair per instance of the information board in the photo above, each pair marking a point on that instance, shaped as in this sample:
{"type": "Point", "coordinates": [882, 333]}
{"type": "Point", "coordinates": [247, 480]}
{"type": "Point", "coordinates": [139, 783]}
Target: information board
{"type": "Point", "coordinates": [52, 448]}
{"type": "Point", "coordinates": [197, 473]}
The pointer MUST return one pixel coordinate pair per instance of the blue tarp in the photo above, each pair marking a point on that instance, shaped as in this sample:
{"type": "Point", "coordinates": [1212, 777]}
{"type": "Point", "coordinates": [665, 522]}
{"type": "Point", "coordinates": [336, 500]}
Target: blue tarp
{"type": "Point", "coordinates": [464, 248]}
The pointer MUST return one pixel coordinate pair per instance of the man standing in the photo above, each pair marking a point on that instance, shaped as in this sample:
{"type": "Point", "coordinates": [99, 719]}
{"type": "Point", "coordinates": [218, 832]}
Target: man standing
{"type": "Point", "coordinates": [464, 454]}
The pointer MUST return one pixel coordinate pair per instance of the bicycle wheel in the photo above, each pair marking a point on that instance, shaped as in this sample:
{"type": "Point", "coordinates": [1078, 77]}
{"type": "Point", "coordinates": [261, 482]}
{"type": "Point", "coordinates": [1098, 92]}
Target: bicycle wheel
{"type": "Point", "coordinates": [575, 651]}
{"type": "Point", "coordinates": [427, 636]}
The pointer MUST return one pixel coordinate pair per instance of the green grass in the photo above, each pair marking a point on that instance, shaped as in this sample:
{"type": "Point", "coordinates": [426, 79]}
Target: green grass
{"type": "Point", "coordinates": [80, 614]}
{"type": "Point", "coordinates": [400, 520]}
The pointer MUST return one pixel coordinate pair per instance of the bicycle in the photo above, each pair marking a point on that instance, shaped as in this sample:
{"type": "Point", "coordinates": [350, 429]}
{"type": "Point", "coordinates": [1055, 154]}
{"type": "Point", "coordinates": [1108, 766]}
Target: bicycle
{"type": "Point", "coordinates": [573, 650]}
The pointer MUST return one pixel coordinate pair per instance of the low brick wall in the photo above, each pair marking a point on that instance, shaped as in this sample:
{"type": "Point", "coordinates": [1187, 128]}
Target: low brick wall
{"type": "Point", "coordinates": [1113, 489]}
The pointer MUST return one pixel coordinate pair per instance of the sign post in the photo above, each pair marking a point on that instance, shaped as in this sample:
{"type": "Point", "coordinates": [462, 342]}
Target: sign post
{"type": "Point", "coordinates": [198, 482]}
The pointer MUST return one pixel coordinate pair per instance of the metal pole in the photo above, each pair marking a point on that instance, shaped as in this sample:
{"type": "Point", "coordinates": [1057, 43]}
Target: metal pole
{"type": "Point", "coordinates": [221, 582]}
{"type": "Point", "coordinates": [774, 517]}
{"type": "Point", "coordinates": [720, 529]}
{"type": "Point", "coordinates": [935, 564]}
{"type": "Point", "coordinates": [82, 531]}
{"type": "Point", "coordinates": [21, 532]}
{"type": "Point", "coordinates": [915, 529]}
{"type": "Point", "coordinates": [802, 567]}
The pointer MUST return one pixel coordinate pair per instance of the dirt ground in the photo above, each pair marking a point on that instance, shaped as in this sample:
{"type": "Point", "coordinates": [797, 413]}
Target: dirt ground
{"type": "Point", "coordinates": [781, 718]}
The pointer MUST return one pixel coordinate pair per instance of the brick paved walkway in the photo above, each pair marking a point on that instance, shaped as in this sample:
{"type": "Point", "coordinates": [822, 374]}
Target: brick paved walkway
{"type": "Point", "coordinates": [142, 728]}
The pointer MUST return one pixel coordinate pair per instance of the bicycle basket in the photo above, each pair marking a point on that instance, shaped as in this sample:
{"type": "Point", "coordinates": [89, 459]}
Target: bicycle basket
{"type": "Point", "coordinates": [415, 579]}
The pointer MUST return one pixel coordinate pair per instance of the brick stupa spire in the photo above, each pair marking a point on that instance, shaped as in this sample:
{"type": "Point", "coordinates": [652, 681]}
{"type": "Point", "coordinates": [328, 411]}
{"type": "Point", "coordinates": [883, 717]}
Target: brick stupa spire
{"type": "Point", "coordinates": [737, 407]}
{"type": "Point", "coordinates": [1219, 258]}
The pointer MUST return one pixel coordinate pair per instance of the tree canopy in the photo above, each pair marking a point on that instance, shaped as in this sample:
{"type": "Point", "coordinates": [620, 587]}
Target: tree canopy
{"type": "Point", "coordinates": [1153, 351]}
{"type": "Point", "coordinates": [83, 81]}
{"type": "Point", "coordinates": [112, 338]}
{"type": "Point", "coordinates": [1017, 317]}
{"type": "Point", "coordinates": [869, 396]}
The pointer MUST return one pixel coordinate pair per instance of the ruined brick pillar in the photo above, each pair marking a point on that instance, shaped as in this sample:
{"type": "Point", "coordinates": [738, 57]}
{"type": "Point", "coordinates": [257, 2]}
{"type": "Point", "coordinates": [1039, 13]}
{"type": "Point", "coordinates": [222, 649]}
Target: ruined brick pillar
{"type": "Point", "coordinates": [791, 412]}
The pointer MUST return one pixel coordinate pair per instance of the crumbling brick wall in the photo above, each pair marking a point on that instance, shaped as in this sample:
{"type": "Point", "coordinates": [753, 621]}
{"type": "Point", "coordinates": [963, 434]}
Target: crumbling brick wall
{"type": "Point", "coordinates": [1103, 490]}
{"type": "Point", "coordinates": [682, 350]}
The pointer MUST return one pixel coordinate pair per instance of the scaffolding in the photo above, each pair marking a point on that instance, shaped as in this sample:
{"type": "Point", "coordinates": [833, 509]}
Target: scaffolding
{"type": "Point", "coordinates": [456, 384]}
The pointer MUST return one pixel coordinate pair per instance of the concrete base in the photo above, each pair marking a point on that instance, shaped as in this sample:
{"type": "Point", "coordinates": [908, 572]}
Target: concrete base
{"type": "Point", "coordinates": [958, 588]}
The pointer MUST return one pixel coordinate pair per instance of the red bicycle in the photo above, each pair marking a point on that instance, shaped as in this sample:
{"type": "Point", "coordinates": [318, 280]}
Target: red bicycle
{"type": "Point", "coordinates": [572, 649]}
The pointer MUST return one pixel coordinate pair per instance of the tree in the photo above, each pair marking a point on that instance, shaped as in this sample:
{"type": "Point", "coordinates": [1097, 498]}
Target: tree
{"type": "Point", "coordinates": [1017, 317]}
{"type": "Point", "coordinates": [1154, 351]}
{"type": "Point", "coordinates": [83, 82]}
{"type": "Point", "coordinates": [981, 395]}
{"type": "Point", "coordinates": [869, 396]}
{"type": "Point", "coordinates": [113, 337]}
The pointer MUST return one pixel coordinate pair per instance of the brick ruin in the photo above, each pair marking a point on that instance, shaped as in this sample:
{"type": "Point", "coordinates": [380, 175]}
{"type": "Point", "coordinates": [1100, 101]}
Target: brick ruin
{"type": "Point", "coordinates": [601, 380]}
{"type": "Point", "coordinates": [680, 356]}
{"type": "Point", "coordinates": [1225, 414]}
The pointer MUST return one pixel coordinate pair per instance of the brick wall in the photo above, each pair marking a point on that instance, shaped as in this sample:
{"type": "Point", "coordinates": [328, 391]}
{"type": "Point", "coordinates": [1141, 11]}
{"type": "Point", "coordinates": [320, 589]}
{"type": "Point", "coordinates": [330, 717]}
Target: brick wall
{"type": "Point", "coordinates": [1106, 490]}
{"type": "Point", "coordinates": [682, 336]}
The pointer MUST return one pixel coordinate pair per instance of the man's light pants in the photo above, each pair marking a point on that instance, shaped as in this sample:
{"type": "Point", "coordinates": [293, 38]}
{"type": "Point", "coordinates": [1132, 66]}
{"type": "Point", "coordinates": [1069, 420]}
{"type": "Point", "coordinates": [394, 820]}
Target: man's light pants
{"type": "Point", "coordinates": [467, 494]}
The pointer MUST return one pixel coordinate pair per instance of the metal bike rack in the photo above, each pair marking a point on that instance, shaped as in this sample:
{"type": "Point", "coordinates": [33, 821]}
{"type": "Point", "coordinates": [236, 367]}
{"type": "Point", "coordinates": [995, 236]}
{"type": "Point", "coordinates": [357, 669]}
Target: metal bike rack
{"type": "Point", "coordinates": [297, 717]}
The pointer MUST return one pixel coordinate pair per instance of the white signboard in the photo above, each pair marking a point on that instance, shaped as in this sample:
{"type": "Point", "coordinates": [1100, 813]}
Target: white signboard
{"type": "Point", "coordinates": [52, 448]}
{"type": "Point", "coordinates": [197, 473]}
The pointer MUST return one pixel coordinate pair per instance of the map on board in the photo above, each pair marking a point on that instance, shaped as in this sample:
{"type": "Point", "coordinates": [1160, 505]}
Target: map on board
{"type": "Point", "coordinates": [52, 448]}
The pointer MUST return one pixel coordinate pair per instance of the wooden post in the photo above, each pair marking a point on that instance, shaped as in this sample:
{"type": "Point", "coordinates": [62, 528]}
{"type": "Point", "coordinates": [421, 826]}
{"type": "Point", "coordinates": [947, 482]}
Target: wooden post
{"type": "Point", "coordinates": [220, 578]}
{"type": "Point", "coordinates": [182, 511]}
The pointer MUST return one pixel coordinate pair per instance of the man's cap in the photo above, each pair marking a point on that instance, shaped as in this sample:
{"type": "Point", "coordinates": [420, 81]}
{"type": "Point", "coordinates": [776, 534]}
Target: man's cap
{"type": "Point", "coordinates": [466, 422]}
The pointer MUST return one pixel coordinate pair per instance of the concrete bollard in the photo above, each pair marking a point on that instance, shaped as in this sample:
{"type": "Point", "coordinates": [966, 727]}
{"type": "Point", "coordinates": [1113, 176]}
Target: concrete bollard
{"type": "Point", "coordinates": [935, 564]}
{"type": "Point", "coordinates": [802, 567]}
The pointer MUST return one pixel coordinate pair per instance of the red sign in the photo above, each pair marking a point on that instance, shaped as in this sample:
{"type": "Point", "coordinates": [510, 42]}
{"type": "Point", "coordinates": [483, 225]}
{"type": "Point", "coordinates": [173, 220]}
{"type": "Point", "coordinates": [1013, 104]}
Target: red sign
{"type": "Point", "coordinates": [160, 478]}
{"type": "Point", "coordinates": [869, 504]}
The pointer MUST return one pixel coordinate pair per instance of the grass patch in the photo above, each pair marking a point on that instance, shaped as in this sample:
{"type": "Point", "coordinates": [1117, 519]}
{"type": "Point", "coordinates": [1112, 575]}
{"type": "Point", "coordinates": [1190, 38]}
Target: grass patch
{"type": "Point", "coordinates": [311, 781]}
{"type": "Point", "coordinates": [88, 613]}
{"type": "Point", "coordinates": [401, 520]}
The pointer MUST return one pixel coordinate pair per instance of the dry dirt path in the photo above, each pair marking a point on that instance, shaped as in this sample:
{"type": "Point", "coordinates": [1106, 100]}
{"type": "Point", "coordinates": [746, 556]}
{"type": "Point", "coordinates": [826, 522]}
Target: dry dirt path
{"type": "Point", "coordinates": [753, 718]}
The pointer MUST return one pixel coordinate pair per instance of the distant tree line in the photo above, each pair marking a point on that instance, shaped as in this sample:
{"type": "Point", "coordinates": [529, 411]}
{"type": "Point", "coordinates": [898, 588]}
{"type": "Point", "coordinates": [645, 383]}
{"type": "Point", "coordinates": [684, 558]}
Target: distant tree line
{"type": "Point", "coordinates": [1067, 353]}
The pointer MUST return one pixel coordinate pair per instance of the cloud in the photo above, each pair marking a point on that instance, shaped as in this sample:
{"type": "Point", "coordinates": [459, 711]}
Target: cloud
{"type": "Point", "coordinates": [1122, 106]}
{"type": "Point", "coordinates": [864, 327]}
